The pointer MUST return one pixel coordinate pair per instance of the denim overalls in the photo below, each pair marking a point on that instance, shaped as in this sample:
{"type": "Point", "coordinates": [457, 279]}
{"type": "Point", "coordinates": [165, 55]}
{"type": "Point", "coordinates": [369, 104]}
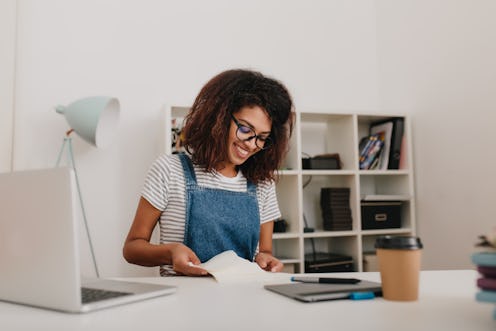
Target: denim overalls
{"type": "Point", "coordinates": [218, 220]}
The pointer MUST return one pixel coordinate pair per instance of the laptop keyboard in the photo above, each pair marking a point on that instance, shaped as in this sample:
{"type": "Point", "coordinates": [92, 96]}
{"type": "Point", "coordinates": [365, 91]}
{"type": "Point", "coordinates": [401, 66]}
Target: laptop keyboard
{"type": "Point", "coordinates": [92, 294]}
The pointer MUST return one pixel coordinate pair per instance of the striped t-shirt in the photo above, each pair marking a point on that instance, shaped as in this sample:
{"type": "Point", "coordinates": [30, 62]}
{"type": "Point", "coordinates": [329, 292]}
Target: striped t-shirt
{"type": "Point", "coordinates": [164, 188]}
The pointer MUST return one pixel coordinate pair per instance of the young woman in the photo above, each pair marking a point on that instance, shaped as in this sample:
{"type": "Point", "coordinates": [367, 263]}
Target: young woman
{"type": "Point", "coordinates": [221, 194]}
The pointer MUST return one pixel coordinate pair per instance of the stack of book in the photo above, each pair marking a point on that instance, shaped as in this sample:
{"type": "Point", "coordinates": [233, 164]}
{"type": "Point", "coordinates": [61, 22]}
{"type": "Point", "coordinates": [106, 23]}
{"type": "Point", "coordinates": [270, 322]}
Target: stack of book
{"type": "Point", "coordinates": [370, 151]}
{"type": "Point", "coordinates": [486, 266]}
{"type": "Point", "coordinates": [335, 205]}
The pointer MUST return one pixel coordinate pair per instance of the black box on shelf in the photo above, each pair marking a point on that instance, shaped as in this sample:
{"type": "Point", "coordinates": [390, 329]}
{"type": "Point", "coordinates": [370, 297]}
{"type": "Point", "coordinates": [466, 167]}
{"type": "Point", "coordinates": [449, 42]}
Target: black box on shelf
{"type": "Point", "coordinates": [328, 262]}
{"type": "Point", "coordinates": [381, 214]}
{"type": "Point", "coordinates": [324, 161]}
{"type": "Point", "coordinates": [280, 226]}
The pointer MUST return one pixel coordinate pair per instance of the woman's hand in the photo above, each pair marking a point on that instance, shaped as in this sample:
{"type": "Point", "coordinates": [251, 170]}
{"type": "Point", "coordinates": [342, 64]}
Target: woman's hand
{"type": "Point", "coordinates": [268, 262]}
{"type": "Point", "coordinates": [184, 261]}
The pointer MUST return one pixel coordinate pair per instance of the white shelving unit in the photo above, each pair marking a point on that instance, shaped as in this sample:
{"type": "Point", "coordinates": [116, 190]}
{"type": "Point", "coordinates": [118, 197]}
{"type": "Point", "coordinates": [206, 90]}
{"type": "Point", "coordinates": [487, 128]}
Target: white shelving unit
{"type": "Point", "coordinates": [321, 133]}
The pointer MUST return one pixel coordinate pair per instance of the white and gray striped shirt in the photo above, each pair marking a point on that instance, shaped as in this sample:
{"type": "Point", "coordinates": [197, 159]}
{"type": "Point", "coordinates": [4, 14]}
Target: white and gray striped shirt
{"type": "Point", "coordinates": [164, 188]}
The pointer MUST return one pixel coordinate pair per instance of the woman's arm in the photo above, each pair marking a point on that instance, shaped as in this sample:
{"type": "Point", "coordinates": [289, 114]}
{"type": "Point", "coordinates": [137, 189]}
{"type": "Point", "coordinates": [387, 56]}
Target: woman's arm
{"type": "Point", "coordinates": [264, 258]}
{"type": "Point", "coordinates": [138, 249]}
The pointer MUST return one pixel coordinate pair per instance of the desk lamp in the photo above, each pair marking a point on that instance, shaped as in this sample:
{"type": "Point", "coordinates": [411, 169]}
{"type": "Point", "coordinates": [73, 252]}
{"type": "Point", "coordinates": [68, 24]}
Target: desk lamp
{"type": "Point", "coordinates": [94, 119]}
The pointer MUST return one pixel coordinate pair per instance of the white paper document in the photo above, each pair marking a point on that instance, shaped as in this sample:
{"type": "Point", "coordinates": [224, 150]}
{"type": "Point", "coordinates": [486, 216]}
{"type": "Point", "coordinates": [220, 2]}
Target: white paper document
{"type": "Point", "coordinates": [228, 267]}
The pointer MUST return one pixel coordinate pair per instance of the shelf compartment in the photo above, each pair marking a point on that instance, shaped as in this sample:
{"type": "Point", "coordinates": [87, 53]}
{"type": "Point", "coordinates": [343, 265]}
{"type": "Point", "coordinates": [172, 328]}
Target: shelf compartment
{"type": "Point", "coordinates": [363, 129]}
{"type": "Point", "coordinates": [286, 249]}
{"type": "Point", "coordinates": [344, 245]}
{"type": "Point", "coordinates": [380, 184]}
{"type": "Point", "coordinates": [287, 190]}
{"type": "Point", "coordinates": [311, 198]}
{"type": "Point", "coordinates": [329, 134]}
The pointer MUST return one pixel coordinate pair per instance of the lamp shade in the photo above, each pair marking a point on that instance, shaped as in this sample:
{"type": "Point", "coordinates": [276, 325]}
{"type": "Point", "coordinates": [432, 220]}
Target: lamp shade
{"type": "Point", "coordinates": [94, 118]}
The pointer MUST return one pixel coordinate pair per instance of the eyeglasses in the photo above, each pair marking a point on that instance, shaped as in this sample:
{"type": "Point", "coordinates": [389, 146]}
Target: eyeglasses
{"type": "Point", "coordinates": [245, 133]}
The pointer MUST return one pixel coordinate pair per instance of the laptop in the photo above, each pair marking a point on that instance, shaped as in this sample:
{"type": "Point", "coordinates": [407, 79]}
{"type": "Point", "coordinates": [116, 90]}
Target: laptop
{"type": "Point", "coordinates": [40, 217]}
{"type": "Point", "coordinates": [314, 292]}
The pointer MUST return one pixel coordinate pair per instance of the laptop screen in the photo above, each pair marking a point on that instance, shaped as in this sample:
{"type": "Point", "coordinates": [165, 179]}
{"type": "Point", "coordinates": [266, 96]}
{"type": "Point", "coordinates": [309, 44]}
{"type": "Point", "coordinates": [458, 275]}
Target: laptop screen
{"type": "Point", "coordinates": [38, 238]}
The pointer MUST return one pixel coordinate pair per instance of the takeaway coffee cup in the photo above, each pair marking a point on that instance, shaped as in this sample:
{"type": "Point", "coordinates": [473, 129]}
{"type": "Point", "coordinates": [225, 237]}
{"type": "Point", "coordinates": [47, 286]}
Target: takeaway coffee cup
{"type": "Point", "coordinates": [399, 266]}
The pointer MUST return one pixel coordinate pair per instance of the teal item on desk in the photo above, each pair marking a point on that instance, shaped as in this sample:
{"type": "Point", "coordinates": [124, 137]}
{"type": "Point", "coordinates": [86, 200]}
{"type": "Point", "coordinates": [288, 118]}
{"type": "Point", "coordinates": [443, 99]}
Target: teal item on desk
{"type": "Point", "coordinates": [484, 259]}
{"type": "Point", "coordinates": [486, 296]}
{"type": "Point", "coordinates": [362, 295]}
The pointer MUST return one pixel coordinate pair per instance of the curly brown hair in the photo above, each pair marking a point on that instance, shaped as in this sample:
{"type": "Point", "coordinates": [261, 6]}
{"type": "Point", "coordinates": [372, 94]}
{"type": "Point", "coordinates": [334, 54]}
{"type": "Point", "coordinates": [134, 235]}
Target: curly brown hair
{"type": "Point", "coordinates": [207, 124]}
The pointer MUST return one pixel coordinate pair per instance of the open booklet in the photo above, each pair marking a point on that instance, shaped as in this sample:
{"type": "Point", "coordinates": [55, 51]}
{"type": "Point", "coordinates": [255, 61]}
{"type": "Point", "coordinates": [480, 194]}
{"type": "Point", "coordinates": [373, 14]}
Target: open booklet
{"type": "Point", "coordinates": [228, 267]}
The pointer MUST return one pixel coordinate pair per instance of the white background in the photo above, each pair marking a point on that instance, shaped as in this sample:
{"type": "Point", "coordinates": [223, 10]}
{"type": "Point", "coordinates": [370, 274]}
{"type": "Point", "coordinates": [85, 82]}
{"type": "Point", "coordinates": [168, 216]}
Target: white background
{"type": "Point", "coordinates": [433, 60]}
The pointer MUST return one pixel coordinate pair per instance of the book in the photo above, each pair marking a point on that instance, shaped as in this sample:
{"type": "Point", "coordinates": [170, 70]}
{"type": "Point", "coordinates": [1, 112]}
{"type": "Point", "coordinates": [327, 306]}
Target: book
{"type": "Point", "coordinates": [228, 267]}
{"type": "Point", "coordinates": [488, 284]}
{"type": "Point", "coordinates": [486, 296]}
{"type": "Point", "coordinates": [484, 259]}
{"type": "Point", "coordinates": [488, 272]}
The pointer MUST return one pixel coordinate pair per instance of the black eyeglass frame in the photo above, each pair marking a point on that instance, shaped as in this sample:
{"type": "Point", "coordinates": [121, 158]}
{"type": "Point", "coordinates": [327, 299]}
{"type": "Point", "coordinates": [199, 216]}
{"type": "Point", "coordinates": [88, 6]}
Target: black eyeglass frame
{"type": "Point", "coordinates": [266, 141]}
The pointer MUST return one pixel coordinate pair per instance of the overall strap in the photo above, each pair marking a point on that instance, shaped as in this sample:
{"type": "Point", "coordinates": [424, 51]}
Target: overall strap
{"type": "Point", "coordinates": [251, 188]}
{"type": "Point", "coordinates": [189, 172]}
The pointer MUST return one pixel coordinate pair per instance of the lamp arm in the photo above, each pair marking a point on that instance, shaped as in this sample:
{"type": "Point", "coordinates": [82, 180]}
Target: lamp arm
{"type": "Point", "coordinates": [61, 152]}
{"type": "Point", "coordinates": [68, 140]}
{"type": "Point", "coordinates": [68, 132]}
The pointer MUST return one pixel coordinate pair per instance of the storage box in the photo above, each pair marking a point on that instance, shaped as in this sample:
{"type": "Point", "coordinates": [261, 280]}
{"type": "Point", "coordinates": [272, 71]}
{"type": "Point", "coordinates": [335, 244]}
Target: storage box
{"type": "Point", "coordinates": [325, 161]}
{"type": "Point", "coordinates": [381, 214]}
{"type": "Point", "coordinates": [280, 226]}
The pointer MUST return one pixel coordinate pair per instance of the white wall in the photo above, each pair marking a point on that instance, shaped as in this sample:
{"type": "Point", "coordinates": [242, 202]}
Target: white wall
{"type": "Point", "coordinates": [430, 59]}
{"type": "Point", "coordinates": [150, 53]}
{"type": "Point", "coordinates": [7, 69]}
{"type": "Point", "coordinates": [437, 59]}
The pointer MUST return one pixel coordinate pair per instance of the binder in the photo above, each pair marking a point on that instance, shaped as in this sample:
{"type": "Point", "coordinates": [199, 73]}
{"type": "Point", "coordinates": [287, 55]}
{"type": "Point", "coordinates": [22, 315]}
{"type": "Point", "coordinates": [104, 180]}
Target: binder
{"type": "Point", "coordinates": [395, 139]}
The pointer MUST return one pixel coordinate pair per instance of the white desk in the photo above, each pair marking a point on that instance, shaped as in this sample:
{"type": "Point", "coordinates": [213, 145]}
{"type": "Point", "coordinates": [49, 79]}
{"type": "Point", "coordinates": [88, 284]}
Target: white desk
{"type": "Point", "coordinates": [446, 303]}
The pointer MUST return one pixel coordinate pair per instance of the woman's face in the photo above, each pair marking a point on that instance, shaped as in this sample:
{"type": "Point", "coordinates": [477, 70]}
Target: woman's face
{"type": "Point", "coordinates": [239, 151]}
